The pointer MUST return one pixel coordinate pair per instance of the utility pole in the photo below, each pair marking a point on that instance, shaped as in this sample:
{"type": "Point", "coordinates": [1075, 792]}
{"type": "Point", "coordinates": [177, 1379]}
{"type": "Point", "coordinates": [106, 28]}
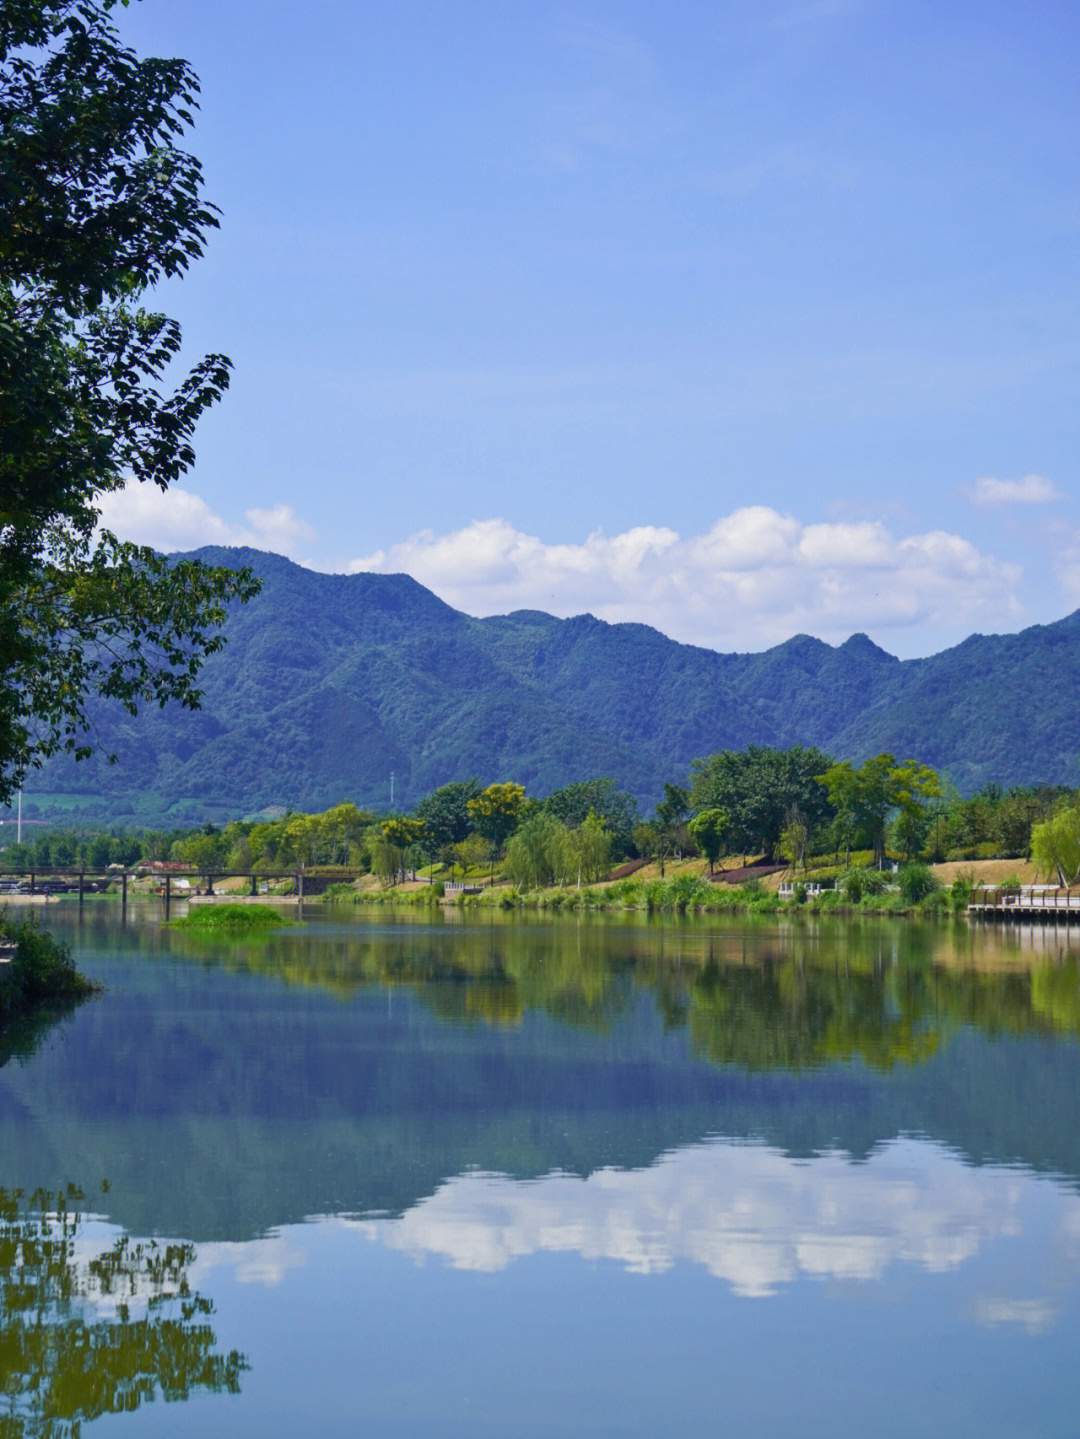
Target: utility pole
{"type": "Point", "coordinates": [18, 831]}
{"type": "Point", "coordinates": [391, 790]}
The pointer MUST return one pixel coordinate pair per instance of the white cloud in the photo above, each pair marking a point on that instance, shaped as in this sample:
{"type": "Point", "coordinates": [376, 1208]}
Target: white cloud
{"type": "Point", "coordinates": [755, 577]}
{"type": "Point", "coordinates": [1031, 490]}
{"type": "Point", "coordinates": [175, 519]}
{"type": "Point", "coordinates": [1034, 1315]}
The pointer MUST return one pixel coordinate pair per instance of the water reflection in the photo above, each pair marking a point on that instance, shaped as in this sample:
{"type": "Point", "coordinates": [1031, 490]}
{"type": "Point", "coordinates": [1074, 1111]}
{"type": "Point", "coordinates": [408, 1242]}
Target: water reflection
{"type": "Point", "coordinates": [776, 994]}
{"type": "Point", "coordinates": [758, 1220]}
{"type": "Point", "coordinates": [598, 1177]}
{"type": "Point", "coordinates": [22, 1034]}
{"type": "Point", "coordinates": [93, 1323]}
{"type": "Point", "coordinates": [358, 1066]}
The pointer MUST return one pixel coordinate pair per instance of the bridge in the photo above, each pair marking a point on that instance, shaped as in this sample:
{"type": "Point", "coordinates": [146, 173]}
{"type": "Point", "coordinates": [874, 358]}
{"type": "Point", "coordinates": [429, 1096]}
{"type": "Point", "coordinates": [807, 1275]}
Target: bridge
{"type": "Point", "coordinates": [174, 882]}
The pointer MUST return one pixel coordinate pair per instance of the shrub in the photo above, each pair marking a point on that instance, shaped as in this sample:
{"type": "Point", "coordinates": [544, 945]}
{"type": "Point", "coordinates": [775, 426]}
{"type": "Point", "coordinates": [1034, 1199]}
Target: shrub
{"type": "Point", "coordinates": [340, 893]}
{"type": "Point", "coordinates": [917, 881]}
{"type": "Point", "coordinates": [41, 970]}
{"type": "Point", "coordinates": [937, 901]}
{"type": "Point", "coordinates": [861, 880]}
{"type": "Point", "coordinates": [960, 889]}
{"type": "Point", "coordinates": [687, 891]}
{"type": "Point", "coordinates": [655, 894]}
{"type": "Point", "coordinates": [827, 899]}
{"type": "Point", "coordinates": [236, 917]}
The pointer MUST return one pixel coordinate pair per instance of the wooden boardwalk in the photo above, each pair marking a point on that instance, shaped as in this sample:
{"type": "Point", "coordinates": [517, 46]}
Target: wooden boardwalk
{"type": "Point", "coordinates": [1025, 902]}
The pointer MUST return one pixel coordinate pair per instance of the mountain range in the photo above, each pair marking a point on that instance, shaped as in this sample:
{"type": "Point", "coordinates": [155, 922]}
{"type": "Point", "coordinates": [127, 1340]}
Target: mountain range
{"type": "Point", "coordinates": [331, 684]}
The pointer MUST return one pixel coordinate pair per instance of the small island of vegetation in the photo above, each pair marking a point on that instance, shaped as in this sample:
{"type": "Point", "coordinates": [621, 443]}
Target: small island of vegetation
{"type": "Point", "coordinates": [232, 918]}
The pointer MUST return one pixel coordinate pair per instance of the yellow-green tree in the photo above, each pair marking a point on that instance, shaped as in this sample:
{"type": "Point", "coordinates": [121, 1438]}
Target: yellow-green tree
{"type": "Point", "coordinates": [340, 828]}
{"type": "Point", "coordinates": [470, 852]}
{"type": "Point", "coordinates": [389, 844]}
{"type": "Point", "coordinates": [538, 852]}
{"type": "Point", "coordinates": [495, 812]}
{"type": "Point", "coordinates": [590, 846]}
{"type": "Point", "coordinates": [864, 798]}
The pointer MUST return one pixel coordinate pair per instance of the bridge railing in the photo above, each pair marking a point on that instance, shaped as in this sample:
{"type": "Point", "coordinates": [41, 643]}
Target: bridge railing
{"type": "Point", "coordinates": [1037, 898]}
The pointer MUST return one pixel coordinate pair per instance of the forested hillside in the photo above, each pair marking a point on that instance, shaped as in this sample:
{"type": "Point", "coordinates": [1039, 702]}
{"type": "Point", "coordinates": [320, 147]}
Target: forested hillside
{"type": "Point", "coordinates": [331, 683]}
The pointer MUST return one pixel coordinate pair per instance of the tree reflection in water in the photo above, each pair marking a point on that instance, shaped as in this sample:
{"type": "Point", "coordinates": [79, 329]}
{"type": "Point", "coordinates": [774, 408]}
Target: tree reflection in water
{"type": "Point", "coordinates": [86, 1331]}
{"type": "Point", "coordinates": [776, 996]}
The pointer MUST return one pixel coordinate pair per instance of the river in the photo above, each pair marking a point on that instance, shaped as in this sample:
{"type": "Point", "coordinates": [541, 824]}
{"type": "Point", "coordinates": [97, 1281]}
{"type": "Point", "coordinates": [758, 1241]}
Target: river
{"type": "Point", "coordinates": [399, 1175]}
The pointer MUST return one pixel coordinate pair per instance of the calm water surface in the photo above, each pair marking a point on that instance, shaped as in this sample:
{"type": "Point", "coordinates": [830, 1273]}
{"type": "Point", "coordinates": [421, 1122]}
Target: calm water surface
{"type": "Point", "coordinates": [400, 1177]}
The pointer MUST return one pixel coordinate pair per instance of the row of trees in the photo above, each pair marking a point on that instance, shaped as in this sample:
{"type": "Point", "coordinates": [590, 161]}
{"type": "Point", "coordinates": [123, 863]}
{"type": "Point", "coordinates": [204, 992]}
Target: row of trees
{"type": "Point", "coordinates": [797, 802]}
{"type": "Point", "coordinates": [789, 804]}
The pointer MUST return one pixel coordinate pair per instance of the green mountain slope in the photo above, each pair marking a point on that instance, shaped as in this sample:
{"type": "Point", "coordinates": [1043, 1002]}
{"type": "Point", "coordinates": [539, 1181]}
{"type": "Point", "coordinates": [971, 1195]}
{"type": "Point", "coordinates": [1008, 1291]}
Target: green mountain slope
{"type": "Point", "coordinates": [330, 683]}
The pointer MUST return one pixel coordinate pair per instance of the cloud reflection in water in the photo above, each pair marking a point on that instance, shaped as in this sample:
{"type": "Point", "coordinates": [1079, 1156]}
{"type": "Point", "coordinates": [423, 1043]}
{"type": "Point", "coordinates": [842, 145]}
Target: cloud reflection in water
{"type": "Point", "coordinates": [756, 1218]}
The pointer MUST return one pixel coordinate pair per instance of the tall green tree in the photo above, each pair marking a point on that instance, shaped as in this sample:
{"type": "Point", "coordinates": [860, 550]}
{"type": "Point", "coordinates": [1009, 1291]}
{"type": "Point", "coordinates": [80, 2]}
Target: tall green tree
{"type": "Point", "coordinates": [614, 807]}
{"type": "Point", "coordinates": [538, 852]}
{"type": "Point", "coordinates": [794, 837]}
{"type": "Point", "coordinates": [865, 798]}
{"type": "Point", "coordinates": [757, 786]}
{"type": "Point", "coordinates": [670, 832]}
{"type": "Point", "coordinates": [841, 782]}
{"type": "Point", "coordinates": [445, 815]}
{"type": "Point", "coordinates": [590, 849]}
{"type": "Point", "coordinates": [99, 202]}
{"type": "Point", "coordinates": [709, 829]}
{"type": "Point", "coordinates": [912, 784]}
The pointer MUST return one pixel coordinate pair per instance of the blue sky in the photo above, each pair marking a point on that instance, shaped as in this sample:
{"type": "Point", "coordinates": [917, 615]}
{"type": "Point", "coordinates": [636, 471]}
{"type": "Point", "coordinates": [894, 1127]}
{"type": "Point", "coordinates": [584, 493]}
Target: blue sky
{"type": "Point", "coordinates": [738, 319]}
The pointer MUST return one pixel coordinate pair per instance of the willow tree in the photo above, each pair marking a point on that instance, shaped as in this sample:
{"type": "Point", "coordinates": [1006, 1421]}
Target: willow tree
{"type": "Point", "coordinates": [1055, 845]}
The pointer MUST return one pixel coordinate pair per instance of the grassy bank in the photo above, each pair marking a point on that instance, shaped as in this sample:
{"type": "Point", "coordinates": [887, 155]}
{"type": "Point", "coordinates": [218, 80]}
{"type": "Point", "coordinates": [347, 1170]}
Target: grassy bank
{"type": "Point", "coordinates": [691, 895]}
{"type": "Point", "coordinates": [916, 890]}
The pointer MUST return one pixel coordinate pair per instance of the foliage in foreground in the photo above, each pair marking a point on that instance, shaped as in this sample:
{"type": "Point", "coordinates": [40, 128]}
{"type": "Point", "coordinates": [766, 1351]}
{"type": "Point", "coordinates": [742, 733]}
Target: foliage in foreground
{"type": "Point", "coordinates": [41, 971]}
{"type": "Point", "coordinates": [100, 205]}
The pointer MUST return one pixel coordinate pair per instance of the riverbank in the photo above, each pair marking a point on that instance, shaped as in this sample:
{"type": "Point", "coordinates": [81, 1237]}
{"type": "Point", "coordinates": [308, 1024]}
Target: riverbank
{"type": "Point", "coordinates": [685, 887]}
{"type": "Point", "coordinates": [915, 890]}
